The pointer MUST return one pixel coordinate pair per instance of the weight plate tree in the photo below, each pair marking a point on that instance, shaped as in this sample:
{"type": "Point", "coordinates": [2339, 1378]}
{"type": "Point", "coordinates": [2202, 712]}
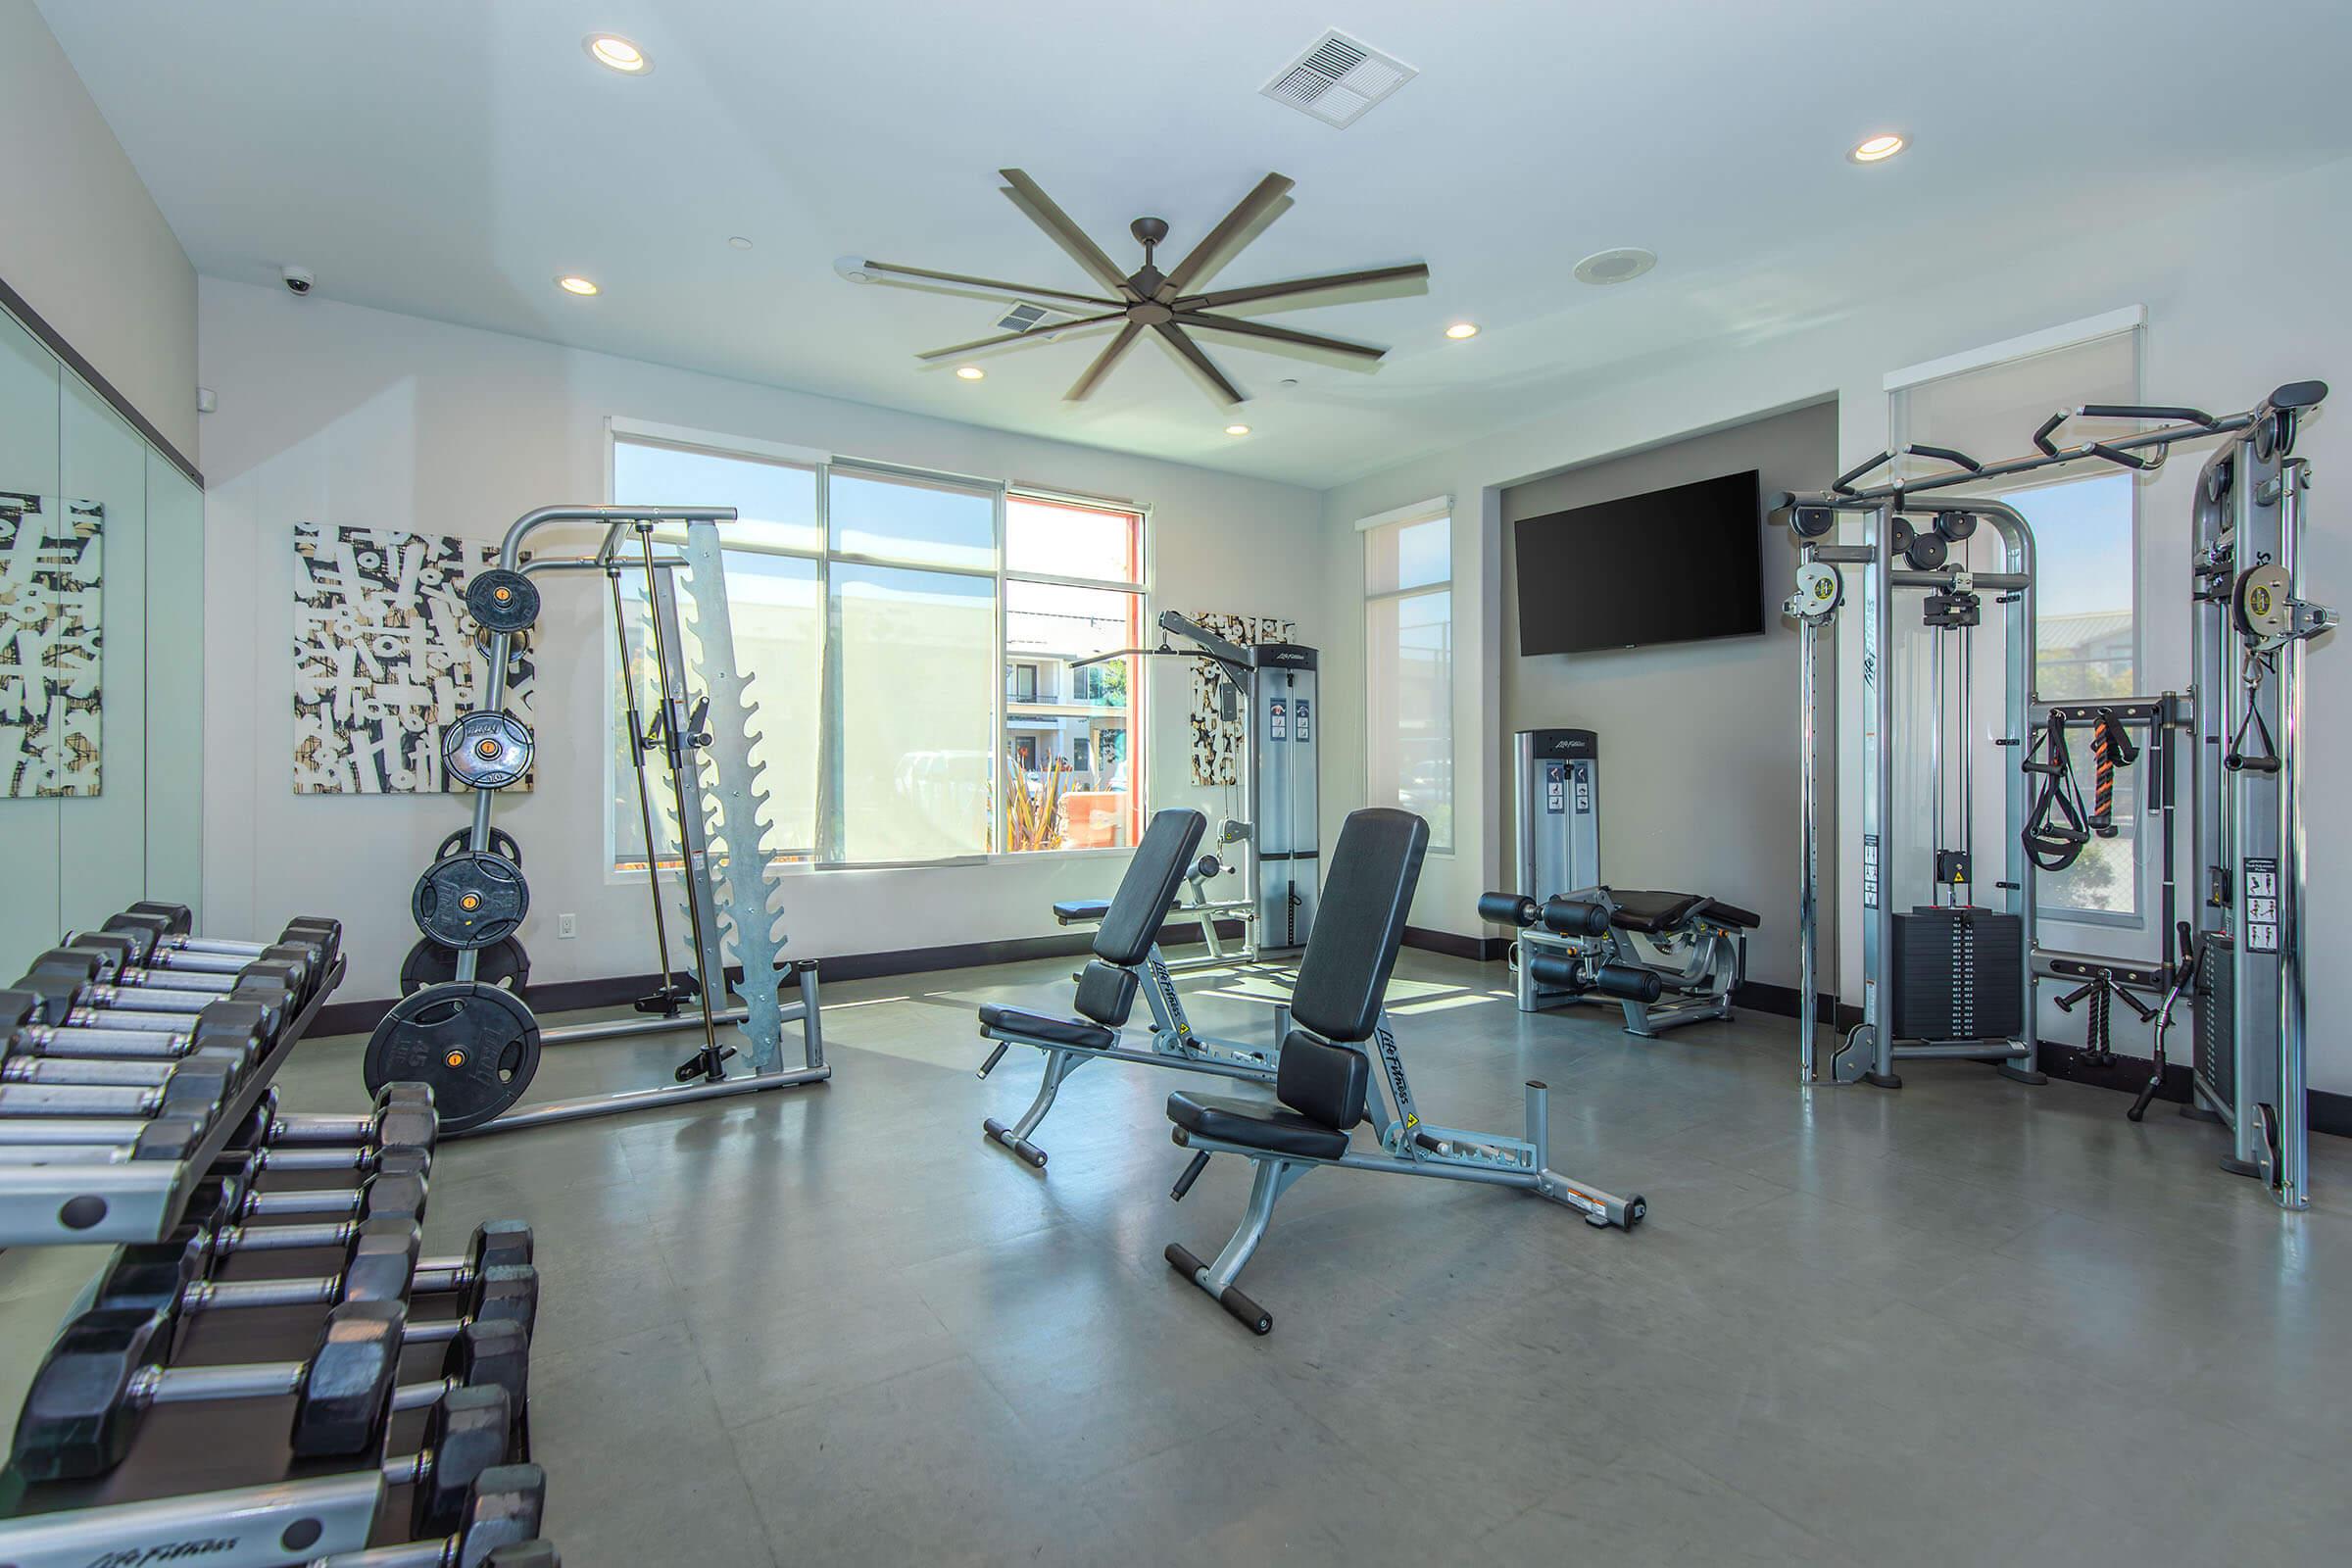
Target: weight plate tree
{"type": "Point", "coordinates": [487, 750]}
{"type": "Point", "coordinates": [475, 1044]}
{"type": "Point", "coordinates": [471, 900]}
{"type": "Point", "coordinates": [505, 963]}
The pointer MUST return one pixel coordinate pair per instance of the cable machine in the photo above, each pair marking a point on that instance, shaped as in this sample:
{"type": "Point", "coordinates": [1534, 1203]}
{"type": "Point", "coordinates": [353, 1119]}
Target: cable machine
{"type": "Point", "coordinates": [1270, 688]}
{"type": "Point", "coordinates": [1956, 979]}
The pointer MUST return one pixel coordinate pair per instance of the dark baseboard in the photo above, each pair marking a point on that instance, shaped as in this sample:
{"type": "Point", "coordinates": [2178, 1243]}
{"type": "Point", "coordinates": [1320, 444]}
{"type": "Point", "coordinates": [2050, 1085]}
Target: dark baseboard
{"type": "Point", "coordinates": [2330, 1113]}
{"type": "Point", "coordinates": [1453, 945]}
{"type": "Point", "coordinates": [618, 991]}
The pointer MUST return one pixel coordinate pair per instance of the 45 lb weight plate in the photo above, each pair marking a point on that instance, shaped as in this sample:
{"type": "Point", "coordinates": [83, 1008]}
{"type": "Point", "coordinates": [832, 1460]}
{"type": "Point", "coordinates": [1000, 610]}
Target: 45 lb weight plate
{"type": "Point", "coordinates": [504, 964]}
{"type": "Point", "coordinates": [487, 750]}
{"type": "Point", "coordinates": [478, 1046]}
{"type": "Point", "coordinates": [471, 900]}
{"type": "Point", "coordinates": [502, 844]}
{"type": "Point", "coordinates": [503, 601]}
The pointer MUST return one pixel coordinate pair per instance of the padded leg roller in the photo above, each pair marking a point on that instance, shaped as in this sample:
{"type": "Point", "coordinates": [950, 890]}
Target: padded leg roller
{"type": "Point", "coordinates": [1251, 1316]}
{"type": "Point", "coordinates": [1018, 1144]}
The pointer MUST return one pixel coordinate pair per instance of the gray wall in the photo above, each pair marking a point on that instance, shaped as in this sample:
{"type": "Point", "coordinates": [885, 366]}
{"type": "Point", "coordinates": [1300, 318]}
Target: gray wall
{"type": "Point", "coordinates": [84, 243]}
{"type": "Point", "coordinates": [1698, 789]}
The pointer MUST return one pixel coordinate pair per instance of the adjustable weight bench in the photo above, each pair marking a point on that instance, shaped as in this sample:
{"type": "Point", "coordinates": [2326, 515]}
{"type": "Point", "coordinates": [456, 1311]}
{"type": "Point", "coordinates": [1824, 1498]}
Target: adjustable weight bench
{"type": "Point", "coordinates": [1571, 947]}
{"type": "Point", "coordinates": [1126, 954]}
{"type": "Point", "coordinates": [1196, 905]}
{"type": "Point", "coordinates": [1325, 1084]}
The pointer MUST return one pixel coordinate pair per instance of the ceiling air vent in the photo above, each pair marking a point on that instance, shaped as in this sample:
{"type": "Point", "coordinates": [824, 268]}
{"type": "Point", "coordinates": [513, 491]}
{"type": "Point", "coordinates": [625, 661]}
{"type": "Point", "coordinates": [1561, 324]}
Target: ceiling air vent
{"type": "Point", "coordinates": [1024, 316]}
{"type": "Point", "coordinates": [1337, 78]}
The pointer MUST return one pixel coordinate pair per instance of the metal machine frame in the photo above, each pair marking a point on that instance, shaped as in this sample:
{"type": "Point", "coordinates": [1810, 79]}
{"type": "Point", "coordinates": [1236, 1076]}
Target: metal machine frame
{"type": "Point", "coordinates": [2251, 622]}
{"type": "Point", "coordinates": [725, 802]}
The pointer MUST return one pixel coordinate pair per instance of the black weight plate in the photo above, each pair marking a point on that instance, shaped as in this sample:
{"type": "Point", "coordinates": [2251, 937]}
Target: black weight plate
{"type": "Point", "coordinates": [501, 845]}
{"type": "Point", "coordinates": [504, 964]}
{"type": "Point", "coordinates": [503, 601]}
{"type": "Point", "coordinates": [1956, 525]}
{"type": "Point", "coordinates": [475, 1044]}
{"type": "Point", "coordinates": [471, 900]}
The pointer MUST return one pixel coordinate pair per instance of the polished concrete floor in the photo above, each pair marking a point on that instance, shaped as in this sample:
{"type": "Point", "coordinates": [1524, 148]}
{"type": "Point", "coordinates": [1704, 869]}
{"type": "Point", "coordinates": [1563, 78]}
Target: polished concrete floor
{"type": "Point", "coordinates": [1967, 1322]}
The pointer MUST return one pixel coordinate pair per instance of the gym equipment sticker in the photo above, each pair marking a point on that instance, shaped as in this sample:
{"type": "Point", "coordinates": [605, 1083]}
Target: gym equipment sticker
{"type": "Point", "coordinates": [1277, 721]}
{"type": "Point", "coordinates": [2262, 905]}
{"type": "Point", "coordinates": [1556, 788]}
{"type": "Point", "coordinates": [1583, 790]}
{"type": "Point", "coordinates": [1298, 732]}
{"type": "Point", "coordinates": [1870, 870]}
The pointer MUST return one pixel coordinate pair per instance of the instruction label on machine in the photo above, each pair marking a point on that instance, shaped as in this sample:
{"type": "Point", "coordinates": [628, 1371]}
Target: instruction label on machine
{"type": "Point", "coordinates": [1583, 778]}
{"type": "Point", "coordinates": [2261, 905]}
{"type": "Point", "coordinates": [1870, 870]}
{"type": "Point", "coordinates": [1277, 719]}
{"type": "Point", "coordinates": [1298, 732]}
{"type": "Point", "coordinates": [1556, 788]}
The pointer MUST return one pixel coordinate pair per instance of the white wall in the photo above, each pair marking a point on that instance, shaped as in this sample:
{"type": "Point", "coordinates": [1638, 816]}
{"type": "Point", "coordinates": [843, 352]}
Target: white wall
{"type": "Point", "coordinates": [2241, 297]}
{"type": "Point", "coordinates": [333, 414]}
{"type": "Point", "coordinates": [82, 241]}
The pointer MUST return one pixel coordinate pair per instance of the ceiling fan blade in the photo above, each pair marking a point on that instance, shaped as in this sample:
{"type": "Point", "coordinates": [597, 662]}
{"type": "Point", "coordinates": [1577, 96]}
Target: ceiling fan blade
{"type": "Point", "coordinates": [1204, 322]}
{"type": "Point", "coordinates": [1085, 384]}
{"type": "Point", "coordinates": [1026, 194]}
{"type": "Point", "coordinates": [1237, 228]}
{"type": "Point", "coordinates": [1200, 364]}
{"type": "Point", "coordinates": [1010, 291]}
{"type": "Point", "coordinates": [1376, 282]}
{"type": "Point", "coordinates": [1042, 329]}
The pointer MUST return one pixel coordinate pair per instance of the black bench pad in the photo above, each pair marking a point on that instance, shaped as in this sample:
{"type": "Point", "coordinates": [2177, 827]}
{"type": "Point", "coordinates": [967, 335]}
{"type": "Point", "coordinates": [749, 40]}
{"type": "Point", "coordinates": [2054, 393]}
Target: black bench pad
{"type": "Point", "coordinates": [1256, 1124]}
{"type": "Point", "coordinates": [1653, 913]}
{"type": "Point", "coordinates": [1087, 912]}
{"type": "Point", "coordinates": [1047, 1027]}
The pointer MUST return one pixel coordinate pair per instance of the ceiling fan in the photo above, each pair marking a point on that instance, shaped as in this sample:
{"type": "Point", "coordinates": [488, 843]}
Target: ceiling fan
{"type": "Point", "coordinates": [1172, 305]}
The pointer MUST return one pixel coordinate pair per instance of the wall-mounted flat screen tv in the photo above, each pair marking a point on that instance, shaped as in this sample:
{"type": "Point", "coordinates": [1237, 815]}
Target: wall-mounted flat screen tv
{"type": "Point", "coordinates": [1671, 566]}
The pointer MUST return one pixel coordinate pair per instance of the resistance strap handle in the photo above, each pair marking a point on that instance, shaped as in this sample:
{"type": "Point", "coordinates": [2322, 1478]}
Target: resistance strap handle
{"type": "Point", "coordinates": [2057, 827]}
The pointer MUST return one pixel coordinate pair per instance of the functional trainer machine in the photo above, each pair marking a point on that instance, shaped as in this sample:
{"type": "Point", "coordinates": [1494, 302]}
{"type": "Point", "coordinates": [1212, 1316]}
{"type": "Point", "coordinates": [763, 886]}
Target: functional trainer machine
{"type": "Point", "coordinates": [1582, 941]}
{"type": "Point", "coordinates": [1956, 979]}
{"type": "Point", "coordinates": [1272, 688]}
{"type": "Point", "coordinates": [1126, 959]}
{"type": "Point", "coordinates": [1326, 1083]}
{"type": "Point", "coordinates": [477, 1043]}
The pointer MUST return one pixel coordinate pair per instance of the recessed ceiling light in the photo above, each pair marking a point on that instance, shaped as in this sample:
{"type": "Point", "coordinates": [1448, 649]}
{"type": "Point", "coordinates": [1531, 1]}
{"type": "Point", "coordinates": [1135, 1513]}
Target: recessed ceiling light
{"type": "Point", "coordinates": [615, 53]}
{"type": "Point", "coordinates": [573, 283]}
{"type": "Point", "coordinates": [1237, 429]}
{"type": "Point", "coordinates": [1462, 329]}
{"type": "Point", "coordinates": [739, 242]}
{"type": "Point", "coordinates": [1877, 149]}
{"type": "Point", "coordinates": [969, 373]}
{"type": "Point", "coordinates": [1620, 266]}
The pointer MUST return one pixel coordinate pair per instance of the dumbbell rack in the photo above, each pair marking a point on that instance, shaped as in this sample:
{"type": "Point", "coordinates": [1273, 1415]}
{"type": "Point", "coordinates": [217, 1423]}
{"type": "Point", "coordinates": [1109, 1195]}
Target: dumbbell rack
{"type": "Point", "coordinates": [232, 1489]}
{"type": "Point", "coordinates": [139, 1199]}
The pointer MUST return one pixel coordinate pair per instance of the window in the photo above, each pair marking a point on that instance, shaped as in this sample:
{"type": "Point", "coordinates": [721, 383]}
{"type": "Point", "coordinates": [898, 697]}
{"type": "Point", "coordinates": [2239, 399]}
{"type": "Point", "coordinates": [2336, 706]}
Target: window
{"type": "Point", "coordinates": [915, 700]}
{"type": "Point", "coordinates": [1408, 664]}
{"type": "Point", "coordinates": [1073, 591]}
{"type": "Point", "coordinates": [2086, 540]}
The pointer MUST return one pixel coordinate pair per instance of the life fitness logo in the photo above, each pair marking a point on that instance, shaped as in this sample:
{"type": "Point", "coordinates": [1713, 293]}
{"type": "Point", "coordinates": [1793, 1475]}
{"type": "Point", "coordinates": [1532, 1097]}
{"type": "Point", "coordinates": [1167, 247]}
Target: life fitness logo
{"type": "Point", "coordinates": [169, 1551]}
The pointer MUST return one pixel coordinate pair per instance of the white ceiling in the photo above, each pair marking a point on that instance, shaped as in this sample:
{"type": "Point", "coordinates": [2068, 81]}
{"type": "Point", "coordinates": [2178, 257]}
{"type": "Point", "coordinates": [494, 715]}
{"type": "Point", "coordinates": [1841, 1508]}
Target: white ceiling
{"type": "Point", "coordinates": [449, 158]}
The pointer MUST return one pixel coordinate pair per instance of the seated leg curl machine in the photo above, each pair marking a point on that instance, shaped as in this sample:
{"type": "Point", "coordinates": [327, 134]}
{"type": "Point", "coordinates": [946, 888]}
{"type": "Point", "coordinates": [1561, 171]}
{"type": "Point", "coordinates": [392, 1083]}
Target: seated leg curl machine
{"type": "Point", "coordinates": [1326, 1084]}
{"type": "Point", "coordinates": [1578, 938]}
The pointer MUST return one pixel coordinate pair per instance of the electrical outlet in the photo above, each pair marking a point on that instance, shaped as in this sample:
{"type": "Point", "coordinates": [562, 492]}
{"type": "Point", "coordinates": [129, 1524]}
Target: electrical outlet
{"type": "Point", "coordinates": [568, 926]}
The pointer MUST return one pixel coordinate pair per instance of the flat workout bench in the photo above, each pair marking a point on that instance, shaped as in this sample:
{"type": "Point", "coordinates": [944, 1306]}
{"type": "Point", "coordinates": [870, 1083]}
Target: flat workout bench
{"type": "Point", "coordinates": [1581, 942]}
{"type": "Point", "coordinates": [1325, 1085]}
{"type": "Point", "coordinates": [1126, 954]}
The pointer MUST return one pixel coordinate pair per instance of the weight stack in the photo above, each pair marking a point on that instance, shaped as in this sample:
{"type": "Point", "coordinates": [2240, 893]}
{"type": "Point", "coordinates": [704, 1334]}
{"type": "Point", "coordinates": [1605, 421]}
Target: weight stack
{"type": "Point", "coordinates": [2217, 1017]}
{"type": "Point", "coordinates": [1959, 974]}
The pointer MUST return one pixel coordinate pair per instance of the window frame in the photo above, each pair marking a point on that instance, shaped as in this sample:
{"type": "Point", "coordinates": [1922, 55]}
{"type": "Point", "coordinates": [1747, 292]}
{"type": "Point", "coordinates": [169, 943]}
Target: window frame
{"type": "Point", "coordinates": [821, 464]}
{"type": "Point", "coordinates": [1435, 509]}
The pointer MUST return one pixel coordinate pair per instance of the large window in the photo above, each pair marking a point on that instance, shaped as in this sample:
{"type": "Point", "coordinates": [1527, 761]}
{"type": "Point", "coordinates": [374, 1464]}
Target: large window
{"type": "Point", "coordinates": [1073, 591]}
{"type": "Point", "coordinates": [1408, 665]}
{"type": "Point", "coordinates": [917, 700]}
{"type": "Point", "coordinates": [2084, 519]}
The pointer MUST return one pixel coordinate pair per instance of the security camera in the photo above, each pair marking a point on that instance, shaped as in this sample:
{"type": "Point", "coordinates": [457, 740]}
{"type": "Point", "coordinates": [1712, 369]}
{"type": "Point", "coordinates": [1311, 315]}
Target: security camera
{"type": "Point", "coordinates": [298, 279]}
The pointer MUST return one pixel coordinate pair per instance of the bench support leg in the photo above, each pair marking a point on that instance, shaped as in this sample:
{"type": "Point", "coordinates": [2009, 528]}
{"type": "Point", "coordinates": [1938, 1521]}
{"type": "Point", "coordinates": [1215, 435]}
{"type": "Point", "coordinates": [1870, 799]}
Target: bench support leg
{"type": "Point", "coordinates": [1271, 1177]}
{"type": "Point", "coordinates": [1059, 1064]}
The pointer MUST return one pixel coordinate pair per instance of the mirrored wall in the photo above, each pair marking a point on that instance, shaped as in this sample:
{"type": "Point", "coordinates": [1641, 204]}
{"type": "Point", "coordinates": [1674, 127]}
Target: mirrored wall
{"type": "Point", "coordinates": [101, 659]}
